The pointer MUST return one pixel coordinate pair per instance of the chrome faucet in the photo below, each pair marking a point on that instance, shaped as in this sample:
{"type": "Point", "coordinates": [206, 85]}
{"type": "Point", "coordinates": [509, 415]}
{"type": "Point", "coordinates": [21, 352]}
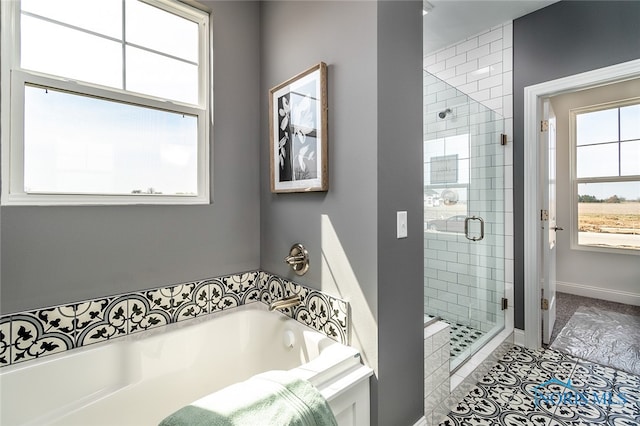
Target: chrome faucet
{"type": "Point", "coordinates": [289, 302]}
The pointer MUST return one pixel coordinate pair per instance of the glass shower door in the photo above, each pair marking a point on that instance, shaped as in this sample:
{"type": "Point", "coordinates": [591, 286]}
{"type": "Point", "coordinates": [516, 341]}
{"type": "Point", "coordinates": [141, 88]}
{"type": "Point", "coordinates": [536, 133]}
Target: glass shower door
{"type": "Point", "coordinates": [464, 218]}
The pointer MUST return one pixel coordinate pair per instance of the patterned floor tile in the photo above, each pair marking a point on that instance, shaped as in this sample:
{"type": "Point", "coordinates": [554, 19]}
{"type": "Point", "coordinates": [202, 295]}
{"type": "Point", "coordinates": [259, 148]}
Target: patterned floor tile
{"type": "Point", "coordinates": [549, 388]}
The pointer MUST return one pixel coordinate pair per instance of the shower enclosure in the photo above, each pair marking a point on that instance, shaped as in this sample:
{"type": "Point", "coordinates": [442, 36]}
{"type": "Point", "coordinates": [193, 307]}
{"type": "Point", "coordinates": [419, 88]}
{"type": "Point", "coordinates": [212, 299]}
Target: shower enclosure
{"type": "Point", "coordinates": [463, 217]}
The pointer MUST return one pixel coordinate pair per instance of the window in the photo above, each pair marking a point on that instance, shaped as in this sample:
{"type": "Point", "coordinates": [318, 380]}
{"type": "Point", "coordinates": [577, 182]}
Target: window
{"type": "Point", "coordinates": [606, 176]}
{"type": "Point", "coordinates": [107, 107]}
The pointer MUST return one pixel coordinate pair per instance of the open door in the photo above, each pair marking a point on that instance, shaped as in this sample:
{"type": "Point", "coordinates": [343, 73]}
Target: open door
{"type": "Point", "coordinates": [548, 220]}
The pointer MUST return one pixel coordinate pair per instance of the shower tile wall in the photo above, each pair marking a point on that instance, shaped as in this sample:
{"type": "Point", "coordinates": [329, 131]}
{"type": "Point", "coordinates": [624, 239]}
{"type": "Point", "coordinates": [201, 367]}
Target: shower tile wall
{"type": "Point", "coordinates": [481, 67]}
{"type": "Point", "coordinates": [464, 282]}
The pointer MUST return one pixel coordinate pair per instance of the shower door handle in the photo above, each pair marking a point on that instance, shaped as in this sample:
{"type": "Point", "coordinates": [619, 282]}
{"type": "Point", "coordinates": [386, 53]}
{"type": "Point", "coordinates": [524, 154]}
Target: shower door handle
{"type": "Point", "coordinates": [466, 228]}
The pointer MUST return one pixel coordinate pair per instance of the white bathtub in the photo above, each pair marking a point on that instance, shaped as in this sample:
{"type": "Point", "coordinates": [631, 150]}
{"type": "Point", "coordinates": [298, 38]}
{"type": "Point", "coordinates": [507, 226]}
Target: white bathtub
{"type": "Point", "coordinates": [141, 378]}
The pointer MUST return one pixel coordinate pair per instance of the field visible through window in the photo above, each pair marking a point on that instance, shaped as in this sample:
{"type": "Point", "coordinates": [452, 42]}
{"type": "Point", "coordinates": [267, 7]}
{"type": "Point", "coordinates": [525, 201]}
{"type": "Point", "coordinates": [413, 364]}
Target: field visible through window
{"type": "Point", "coordinates": [609, 224]}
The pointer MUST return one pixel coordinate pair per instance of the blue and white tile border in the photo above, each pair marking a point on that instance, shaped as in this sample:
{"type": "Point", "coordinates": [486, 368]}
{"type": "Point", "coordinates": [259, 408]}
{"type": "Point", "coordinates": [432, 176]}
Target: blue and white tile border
{"type": "Point", "coordinates": [34, 334]}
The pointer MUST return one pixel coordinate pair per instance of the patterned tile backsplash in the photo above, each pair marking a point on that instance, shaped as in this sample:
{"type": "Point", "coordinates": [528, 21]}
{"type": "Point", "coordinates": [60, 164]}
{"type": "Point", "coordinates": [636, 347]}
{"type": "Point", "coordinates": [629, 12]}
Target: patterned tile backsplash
{"type": "Point", "coordinates": [34, 334]}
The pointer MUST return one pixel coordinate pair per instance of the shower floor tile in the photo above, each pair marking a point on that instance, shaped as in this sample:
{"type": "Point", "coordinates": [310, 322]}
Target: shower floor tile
{"type": "Point", "coordinates": [546, 387]}
{"type": "Point", "coordinates": [462, 336]}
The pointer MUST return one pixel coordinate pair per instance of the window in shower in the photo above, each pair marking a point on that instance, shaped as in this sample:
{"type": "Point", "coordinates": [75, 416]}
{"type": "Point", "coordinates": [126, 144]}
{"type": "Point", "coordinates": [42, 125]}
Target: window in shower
{"type": "Point", "coordinates": [446, 183]}
{"type": "Point", "coordinates": [606, 176]}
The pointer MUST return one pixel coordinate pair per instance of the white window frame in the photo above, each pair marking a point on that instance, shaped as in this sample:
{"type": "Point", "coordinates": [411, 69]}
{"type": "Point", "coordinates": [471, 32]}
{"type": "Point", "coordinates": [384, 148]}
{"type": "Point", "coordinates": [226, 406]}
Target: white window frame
{"type": "Point", "coordinates": [13, 80]}
{"type": "Point", "coordinates": [575, 180]}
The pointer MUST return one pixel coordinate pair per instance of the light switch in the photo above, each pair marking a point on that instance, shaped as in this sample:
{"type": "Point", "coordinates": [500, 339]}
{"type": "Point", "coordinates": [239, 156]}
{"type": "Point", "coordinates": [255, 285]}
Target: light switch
{"type": "Point", "coordinates": [402, 224]}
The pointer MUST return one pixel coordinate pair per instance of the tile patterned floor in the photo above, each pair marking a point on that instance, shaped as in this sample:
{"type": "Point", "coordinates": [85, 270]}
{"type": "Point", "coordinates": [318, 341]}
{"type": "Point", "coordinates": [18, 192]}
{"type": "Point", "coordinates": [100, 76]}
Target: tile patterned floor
{"type": "Point", "coordinates": [548, 388]}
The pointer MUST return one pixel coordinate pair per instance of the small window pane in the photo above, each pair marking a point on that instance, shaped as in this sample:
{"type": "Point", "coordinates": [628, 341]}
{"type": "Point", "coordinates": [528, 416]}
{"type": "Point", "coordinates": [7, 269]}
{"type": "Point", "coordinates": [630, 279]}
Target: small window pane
{"type": "Point", "coordinates": [61, 51]}
{"type": "Point", "coordinates": [100, 16]}
{"type": "Point", "coordinates": [597, 127]}
{"type": "Point", "coordinates": [630, 158]}
{"type": "Point", "coordinates": [609, 215]}
{"type": "Point", "coordinates": [597, 160]}
{"type": "Point", "coordinates": [458, 145]}
{"type": "Point", "coordinates": [434, 147]}
{"type": "Point", "coordinates": [178, 80]}
{"type": "Point", "coordinates": [630, 122]}
{"type": "Point", "coordinates": [156, 29]}
{"type": "Point", "coordinates": [81, 145]}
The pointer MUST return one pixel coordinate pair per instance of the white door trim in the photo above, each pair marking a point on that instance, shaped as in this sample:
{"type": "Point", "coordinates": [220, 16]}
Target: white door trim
{"type": "Point", "coordinates": [533, 96]}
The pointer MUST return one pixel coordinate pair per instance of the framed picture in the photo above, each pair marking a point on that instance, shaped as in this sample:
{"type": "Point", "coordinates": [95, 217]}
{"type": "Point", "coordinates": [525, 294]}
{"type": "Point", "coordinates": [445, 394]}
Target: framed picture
{"type": "Point", "coordinates": [298, 132]}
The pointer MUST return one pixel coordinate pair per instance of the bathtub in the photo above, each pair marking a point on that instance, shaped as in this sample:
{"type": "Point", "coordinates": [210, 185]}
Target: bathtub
{"type": "Point", "coordinates": [141, 378]}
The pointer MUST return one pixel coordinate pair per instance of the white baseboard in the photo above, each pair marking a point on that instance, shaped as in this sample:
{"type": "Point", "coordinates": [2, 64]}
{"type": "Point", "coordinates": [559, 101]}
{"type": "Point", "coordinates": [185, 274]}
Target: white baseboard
{"type": "Point", "coordinates": [599, 293]}
{"type": "Point", "coordinates": [518, 337]}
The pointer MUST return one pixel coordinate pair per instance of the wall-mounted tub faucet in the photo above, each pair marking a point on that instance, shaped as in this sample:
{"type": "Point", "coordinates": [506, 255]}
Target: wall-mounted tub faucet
{"type": "Point", "coordinates": [298, 259]}
{"type": "Point", "coordinates": [289, 302]}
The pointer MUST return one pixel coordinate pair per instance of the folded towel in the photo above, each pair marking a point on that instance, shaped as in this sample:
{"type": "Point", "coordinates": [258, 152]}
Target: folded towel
{"type": "Point", "coordinates": [274, 398]}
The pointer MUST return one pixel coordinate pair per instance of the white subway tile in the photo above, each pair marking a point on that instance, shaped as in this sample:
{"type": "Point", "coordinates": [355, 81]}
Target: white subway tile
{"type": "Point", "coordinates": [441, 338]}
{"type": "Point", "coordinates": [507, 35]}
{"type": "Point", "coordinates": [507, 83]}
{"type": "Point", "coordinates": [447, 276]}
{"type": "Point", "coordinates": [507, 106]}
{"type": "Point", "coordinates": [481, 95]}
{"type": "Point", "coordinates": [496, 46]}
{"type": "Point", "coordinates": [469, 87]}
{"type": "Point", "coordinates": [436, 264]}
{"type": "Point", "coordinates": [496, 92]}
{"type": "Point", "coordinates": [445, 54]}
{"type": "Point", "coordinates": [458, 81]}
{"type": "Point", "coordinates": [507, 59]}
{"type": "Point", "coordinates": [467, 67]}
{"type": "Point", "coordinates": [508, 201]}
{"type": "Point", "coordinates": [456, 60]}
{"type": "Point", "coordinates": [465, 46]}
{"type": "Point", "coordinates": [447, 73]}
{"type": "Point", "coordinates": [431, 363]}
{"type": "Point", "coordinates": [456, 309]}
{"type": "Point", "coordinates": [448, 256]}
{"type": "Point", "coordinates": [436, 87]}
{"type": "Point", "coordinates": [445, 296]}
{"type": "Point", "coordinates": [490, 36]}
{"type": "Point", "coordinates": [429, 60]}
{"type": "Point", "coordinates": [457, 267]}
{"type": "Point", "coordinates": [489, 82]}
{"type": "Point", "coordinates": [496, 68]}
{"type": "Point", "coordinates": [436, 68]}
{"type": "Point", "coordinates": [428, 346]}
{"type": "Point", "coordinates": [491, 59]}
{"type": "Point", "coordinates": [478, 52]}
{"type": "Point", "coordinates": [496, 105]}
{"type": "Point", "coordinates": [446, 94]}
{"type": "Point", "coordinates": [508, 270]}
{"type": "Point", "coordinates": [508, 129]}
{"type": "Point", "coordinates": [479, 74]}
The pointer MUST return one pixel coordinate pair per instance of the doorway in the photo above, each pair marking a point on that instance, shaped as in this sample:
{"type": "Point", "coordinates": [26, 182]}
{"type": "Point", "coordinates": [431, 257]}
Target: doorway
{"type": "Point", "coordinates": [534, 166]}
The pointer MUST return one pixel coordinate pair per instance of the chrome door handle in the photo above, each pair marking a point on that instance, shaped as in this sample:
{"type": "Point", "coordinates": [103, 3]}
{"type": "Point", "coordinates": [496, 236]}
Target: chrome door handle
{"type": "Point", "coordinates": [557, 228]}
{"type": "Point", "coordinates": [466, 228]}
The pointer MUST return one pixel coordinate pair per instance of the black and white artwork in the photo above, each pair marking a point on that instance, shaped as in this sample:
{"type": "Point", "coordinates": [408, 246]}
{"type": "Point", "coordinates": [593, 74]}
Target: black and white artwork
{"type": "Point", "coordinates": [298, 115]}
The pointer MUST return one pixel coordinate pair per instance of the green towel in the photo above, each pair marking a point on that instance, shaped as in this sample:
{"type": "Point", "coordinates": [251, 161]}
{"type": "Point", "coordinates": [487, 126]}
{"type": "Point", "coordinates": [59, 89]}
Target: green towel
{"type": "Point", "coordinates": [274, 398]}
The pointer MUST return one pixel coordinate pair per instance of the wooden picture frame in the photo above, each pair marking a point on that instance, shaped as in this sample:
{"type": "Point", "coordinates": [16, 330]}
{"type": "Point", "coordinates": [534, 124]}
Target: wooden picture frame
{"type": "Point", "coordinates": [298, 132]}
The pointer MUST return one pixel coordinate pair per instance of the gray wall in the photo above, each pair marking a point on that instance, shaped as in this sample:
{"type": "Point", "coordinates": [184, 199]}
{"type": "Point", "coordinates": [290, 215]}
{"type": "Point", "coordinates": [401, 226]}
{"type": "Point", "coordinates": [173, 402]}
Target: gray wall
{"type": "Point", "coordinates": [54, 255]}
{"type": "Point", "coordinates": [400, 187]}
{"type": "Point", "coordinates": [607, 271]}
{"type": "Point", "coordinates": [373, 52]}
{"type": "Point", "coordinates": [566, 38]}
